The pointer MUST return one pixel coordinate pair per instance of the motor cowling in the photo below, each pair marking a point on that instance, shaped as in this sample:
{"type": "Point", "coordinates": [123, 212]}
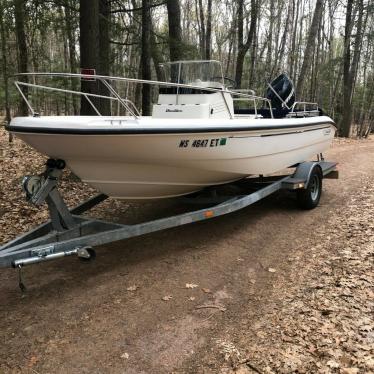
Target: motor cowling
{"type": "Point", "coordinates": [281, 93]}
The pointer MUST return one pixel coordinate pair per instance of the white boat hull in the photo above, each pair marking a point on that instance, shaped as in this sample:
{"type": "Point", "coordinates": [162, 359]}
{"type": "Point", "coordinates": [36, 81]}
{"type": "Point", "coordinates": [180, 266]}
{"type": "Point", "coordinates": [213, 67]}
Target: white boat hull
{"type": "Point", "coordinates": [151, 165]}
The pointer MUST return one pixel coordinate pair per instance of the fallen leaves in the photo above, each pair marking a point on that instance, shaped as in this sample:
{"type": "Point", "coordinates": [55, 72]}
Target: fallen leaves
{"type": "Point", "coordinates": [16, 214]}
{"type": "Point", "coordinates": [229, 352]}
{"type": "Point", "coordinates": [349, 370]}
{"type": "Point", "coordinates": [191, 285]}
{"type": "Point", "coordinates": [324, 321]}
{"type": "Point", "coordinates": [332, 364]}
{"type": "Point", "coordinates": [321, 321]}
{"type": "Point", "coordinates": [33, 360]}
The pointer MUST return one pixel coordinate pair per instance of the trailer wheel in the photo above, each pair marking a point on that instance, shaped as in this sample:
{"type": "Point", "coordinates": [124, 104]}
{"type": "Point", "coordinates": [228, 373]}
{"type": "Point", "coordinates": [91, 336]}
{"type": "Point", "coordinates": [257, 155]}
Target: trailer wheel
{"type": "Point", "coordinates": [309, 197]}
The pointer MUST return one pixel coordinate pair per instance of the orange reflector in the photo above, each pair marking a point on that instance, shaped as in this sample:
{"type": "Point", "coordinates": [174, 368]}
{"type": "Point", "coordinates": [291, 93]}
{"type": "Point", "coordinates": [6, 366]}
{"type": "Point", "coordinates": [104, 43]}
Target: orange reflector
{"type": "Point", "coordinates": [209, 214]}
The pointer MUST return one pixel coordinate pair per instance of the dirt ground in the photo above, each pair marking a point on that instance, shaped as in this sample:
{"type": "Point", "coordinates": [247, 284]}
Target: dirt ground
{"type": "Point", "coordinates": [269, 289]}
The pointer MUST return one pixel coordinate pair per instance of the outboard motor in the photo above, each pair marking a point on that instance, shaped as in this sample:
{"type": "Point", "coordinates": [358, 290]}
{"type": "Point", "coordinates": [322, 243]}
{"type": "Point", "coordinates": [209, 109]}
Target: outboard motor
{"type": "Point", "coordinates": [281, 93]}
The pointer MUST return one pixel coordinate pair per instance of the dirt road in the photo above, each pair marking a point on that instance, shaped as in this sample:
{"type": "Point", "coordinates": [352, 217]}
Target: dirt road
{"type": "Point", "coordinates": [268, 289]}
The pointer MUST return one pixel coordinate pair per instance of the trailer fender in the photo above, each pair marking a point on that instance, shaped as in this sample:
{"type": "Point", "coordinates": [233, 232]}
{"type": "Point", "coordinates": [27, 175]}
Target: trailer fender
{"type": "Point", "coordinates": [304, 171]}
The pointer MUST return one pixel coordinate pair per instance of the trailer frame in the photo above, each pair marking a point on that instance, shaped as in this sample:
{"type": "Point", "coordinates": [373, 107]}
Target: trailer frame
{"type": "Point", "coordinates": [69, 233]}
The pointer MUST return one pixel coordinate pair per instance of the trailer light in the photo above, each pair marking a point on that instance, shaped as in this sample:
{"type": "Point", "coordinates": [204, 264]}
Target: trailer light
{"type": "Point", "coordinates": [209, 214]}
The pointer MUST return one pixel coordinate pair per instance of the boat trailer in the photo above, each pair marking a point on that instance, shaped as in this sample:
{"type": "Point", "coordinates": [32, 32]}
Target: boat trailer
{"type": "Point", "coordinates": [69, 233]}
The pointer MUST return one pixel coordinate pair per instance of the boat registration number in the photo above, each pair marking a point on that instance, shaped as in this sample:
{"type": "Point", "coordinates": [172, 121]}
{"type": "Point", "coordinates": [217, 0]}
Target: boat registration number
{"type": "Point", "coordinates": [202, 143]}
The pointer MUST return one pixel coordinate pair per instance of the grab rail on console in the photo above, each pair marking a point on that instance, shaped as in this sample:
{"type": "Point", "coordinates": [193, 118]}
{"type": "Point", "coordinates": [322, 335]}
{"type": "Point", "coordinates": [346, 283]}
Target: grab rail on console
{"type": "Point", "coordinates": [304, 104]}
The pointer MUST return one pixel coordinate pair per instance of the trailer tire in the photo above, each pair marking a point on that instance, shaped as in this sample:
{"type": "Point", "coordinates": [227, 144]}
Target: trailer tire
{"type": "Point", "coordinates": [308, 198]}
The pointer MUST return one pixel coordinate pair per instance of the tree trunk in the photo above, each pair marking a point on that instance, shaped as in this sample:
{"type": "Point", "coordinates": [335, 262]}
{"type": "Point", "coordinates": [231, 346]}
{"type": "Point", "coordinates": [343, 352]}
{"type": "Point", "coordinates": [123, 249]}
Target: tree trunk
{"type": "Point", "coordinates": [309, 46]}
{"type": "Point", "coordinates": [4, 66]}
{"type": "Point", "coordinates": [253, 58]}
{"type": "Point", "coordinates": [239, 66]}
{"type": "Point", "coordinates": [66, 60]}
{"type": "Point", "coordinates": [243, 47]}
{"type": "Point", "coordinates": [345, 124]}
{"type": "Point", "coordinates": [104, 54]}
{"type": "Point", "coordinates": [281, 50]}
{"type": "Point", "coordinates": [331, 71]}
{"type": "Point", "coordinates": [89, 50]}
{"type": "Point", "coordinates": [202, 37]}
{"type": "Point", "coordinates": [208, 36]}
{"type": "Point", "coordinates": [19, 13]}
{"type": "Point", "coordinates": [175, 30]}
{"type": "Point", "coordinates": [5, 70]}
{"type": "Point", "coordinates": [350, 68]}
{"type": "Point", "coordinates": [156, 56]}
{"type": "Point", "coordinates": [146, 57]}
{"type": "Point", "coordinates": [136, 26]}
{"type": "Point", "coordinates": [72, 53]}
{"type": "Point", "coordinates": [269, 54]}
{"type": "Point", "coordinates": [292, 58]}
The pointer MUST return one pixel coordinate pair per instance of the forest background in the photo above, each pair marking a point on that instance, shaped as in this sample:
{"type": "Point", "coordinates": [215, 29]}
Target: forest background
{"type": "Point", "coordinates": [326, 47]}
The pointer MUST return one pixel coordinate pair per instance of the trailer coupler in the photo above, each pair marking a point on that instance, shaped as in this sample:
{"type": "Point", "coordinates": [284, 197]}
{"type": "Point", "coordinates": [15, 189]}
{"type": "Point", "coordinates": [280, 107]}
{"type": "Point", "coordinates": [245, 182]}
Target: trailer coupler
{"type": "Point", "coordinates": [85, 253]}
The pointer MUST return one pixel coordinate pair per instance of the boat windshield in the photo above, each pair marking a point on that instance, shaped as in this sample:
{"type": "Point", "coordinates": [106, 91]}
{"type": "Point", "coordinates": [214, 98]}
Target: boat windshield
{"type": "Point", "coordinates": [207, 73]}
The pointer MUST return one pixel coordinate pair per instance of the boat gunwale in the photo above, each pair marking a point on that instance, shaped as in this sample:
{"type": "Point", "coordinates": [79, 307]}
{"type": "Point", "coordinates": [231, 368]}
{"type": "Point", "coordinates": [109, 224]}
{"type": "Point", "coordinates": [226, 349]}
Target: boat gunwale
{"type": "Point", "coordinates": [162, 131]}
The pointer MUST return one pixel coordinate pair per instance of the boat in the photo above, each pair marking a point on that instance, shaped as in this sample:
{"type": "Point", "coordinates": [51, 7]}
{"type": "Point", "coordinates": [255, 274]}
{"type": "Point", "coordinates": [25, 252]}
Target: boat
{"type": "Point", "coordinates": [201, 133]}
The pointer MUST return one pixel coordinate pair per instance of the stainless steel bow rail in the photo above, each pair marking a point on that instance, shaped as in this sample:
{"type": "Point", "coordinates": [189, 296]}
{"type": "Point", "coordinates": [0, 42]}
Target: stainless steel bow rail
{"type": "Point", "coordinates": [126, 103]}
{"type": "Point", "coordinates": [68, 233]}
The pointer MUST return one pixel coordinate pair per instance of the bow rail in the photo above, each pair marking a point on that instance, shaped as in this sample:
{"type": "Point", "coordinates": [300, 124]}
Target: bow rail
{"type": "Point", "coordinates": [126, 103]}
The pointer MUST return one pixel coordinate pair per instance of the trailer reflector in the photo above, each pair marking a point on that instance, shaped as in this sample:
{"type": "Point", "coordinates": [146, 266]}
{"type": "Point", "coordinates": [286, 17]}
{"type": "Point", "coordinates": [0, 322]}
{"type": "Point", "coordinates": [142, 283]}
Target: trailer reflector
{"type": "Point", "coordinates": [209, 214]}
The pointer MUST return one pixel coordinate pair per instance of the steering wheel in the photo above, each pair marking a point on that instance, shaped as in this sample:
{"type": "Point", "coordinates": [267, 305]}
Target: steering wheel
{"type": "Point", "coordinates": [231, 81]}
